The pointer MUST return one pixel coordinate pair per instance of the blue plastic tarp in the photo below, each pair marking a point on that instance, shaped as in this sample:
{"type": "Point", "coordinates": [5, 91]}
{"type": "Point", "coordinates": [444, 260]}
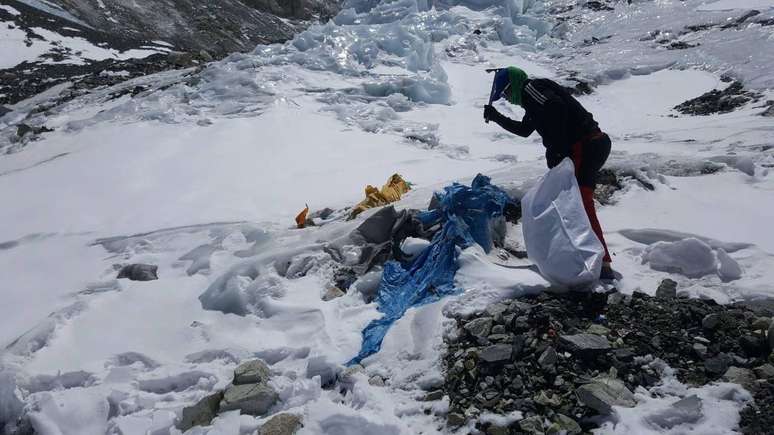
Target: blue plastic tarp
{"type": "Point", "coordinates": [464, 214]}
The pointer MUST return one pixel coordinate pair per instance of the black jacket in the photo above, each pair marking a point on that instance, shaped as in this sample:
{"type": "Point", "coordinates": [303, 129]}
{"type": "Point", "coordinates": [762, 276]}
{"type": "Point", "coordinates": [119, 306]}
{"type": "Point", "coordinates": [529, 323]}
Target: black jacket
{"type": "Point", "coordinates": [555, 114]}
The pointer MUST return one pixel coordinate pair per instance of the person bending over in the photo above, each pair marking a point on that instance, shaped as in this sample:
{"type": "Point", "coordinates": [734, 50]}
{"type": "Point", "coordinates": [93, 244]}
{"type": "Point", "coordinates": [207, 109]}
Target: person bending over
{"type": "Point", "coordinates": [567, 129]}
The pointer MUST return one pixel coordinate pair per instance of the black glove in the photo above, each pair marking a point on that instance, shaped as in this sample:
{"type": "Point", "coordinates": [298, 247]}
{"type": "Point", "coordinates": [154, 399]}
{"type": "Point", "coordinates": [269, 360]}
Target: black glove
{"type": "Point", "coordinates": [491, 114]}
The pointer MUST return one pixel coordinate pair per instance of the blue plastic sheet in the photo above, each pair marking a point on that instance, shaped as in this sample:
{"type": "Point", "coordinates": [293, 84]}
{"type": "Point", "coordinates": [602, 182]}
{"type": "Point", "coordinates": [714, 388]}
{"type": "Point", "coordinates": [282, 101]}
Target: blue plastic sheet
{"type": "Point", "coordinates": [464, 213]}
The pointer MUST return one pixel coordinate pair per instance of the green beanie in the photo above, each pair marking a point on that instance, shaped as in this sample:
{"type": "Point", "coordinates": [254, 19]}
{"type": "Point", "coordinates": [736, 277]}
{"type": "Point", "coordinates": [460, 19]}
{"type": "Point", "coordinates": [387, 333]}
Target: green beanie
{"type": "Point", "coordinates": [518, 78]}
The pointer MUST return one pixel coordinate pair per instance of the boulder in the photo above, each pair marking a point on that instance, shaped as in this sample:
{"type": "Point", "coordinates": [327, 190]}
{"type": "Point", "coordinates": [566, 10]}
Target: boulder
{"type": "Point", "coordinates": [771, 336]}
{"type": "Point", "coordinates": [455, 419]}
{"type": "Point", "coordinates": [327, 371]}
{"type": "Point", "coordinates": [761, 324]}
{"type": "Point", "coordinates": [597, 329]}
{"type": "Point", "coordinates": [281, 424]}
{"type": "Point", "coordinates": [139, 272]}
{"type": "Point", "coordinates": [181, 59]}
{"type": "Point", "coordinates": [563, 424]}
{"type": "Point", "coordinates": [667, 289]}
{"type": "Point", "coordinates": [202, 413]}
{"type": "Point", "coordinates": [434, 395]}
{"type": "Point", "coordinates": [497, 430]}
{"type": "Point", "coordinates": [765, 371]}
{"type": "Point", "coordinates": [604, 393]}
{"type": "Point", "coordinates": [585, 343]}
{"type": "Point", "coordinates": [741, 376]}
{"type": "Point", "coordinates": [479, 327]}
{"type": "Point", "coordinates": [718, 364]}
{"type": "Point", "coordinates": [532, 425]}
{"type": "Point", "coordinates": [252, 372]}
{"type": "Point", "coordinates": [710, 321]}
{"type": "Point", "coordinates": [376, 381]}
{"type": "Point", "coordinates": [548, 358]}
{"type": "Point", "coordinates": [252, 399]}
{"type": "Point", "coordinates": [496, 353]}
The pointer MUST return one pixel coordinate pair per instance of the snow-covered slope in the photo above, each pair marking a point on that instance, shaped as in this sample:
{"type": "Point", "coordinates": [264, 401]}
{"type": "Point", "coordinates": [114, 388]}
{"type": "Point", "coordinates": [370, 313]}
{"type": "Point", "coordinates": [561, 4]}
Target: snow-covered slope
{"type": "Point", "coordinates": [202, 172]}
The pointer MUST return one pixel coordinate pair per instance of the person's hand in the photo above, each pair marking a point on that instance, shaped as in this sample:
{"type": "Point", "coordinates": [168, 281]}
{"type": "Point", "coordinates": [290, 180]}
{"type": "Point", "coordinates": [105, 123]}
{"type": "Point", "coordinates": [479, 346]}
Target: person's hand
{"type": "Point", "coordinates": [490, 113]}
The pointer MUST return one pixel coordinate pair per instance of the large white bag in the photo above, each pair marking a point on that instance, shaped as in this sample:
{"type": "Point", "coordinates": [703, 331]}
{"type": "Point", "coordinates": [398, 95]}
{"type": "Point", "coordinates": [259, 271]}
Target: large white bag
{"type": "Point", "coordinates": [557, 231]}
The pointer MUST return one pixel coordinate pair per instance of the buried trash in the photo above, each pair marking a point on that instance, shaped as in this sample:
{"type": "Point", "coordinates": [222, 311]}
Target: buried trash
{"type": "Point", "coordinates": [391, 192]}
{"type": "Point", "coordinates": [464, 213]}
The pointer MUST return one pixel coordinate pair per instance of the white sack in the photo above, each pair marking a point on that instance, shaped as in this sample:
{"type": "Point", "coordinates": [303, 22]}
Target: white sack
{"type": "Point", "coordinates": [557, 231]}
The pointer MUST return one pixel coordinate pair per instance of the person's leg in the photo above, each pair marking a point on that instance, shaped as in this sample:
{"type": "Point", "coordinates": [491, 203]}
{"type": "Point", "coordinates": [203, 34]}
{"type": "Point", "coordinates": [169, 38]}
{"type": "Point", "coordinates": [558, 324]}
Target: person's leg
{"type": "Point", "coordinates": [589, 159]}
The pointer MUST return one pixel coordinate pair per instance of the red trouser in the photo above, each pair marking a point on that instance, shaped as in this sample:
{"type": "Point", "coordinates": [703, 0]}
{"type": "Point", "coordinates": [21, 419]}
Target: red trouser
{"type": "Point", "coordinates": [583, 168]}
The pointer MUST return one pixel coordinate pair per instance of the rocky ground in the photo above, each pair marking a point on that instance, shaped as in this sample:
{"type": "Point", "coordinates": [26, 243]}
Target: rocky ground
{"type": "Point", "coordinates": [192, 33]}
{"type": "Point", "coordinates": [565, 359]}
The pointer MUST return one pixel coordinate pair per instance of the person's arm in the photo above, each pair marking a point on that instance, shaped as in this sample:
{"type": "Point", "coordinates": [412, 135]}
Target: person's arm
{"type": "Point", "coordinates": [523, 128]}
{"type": "Point", "coordinates": [555, 138]}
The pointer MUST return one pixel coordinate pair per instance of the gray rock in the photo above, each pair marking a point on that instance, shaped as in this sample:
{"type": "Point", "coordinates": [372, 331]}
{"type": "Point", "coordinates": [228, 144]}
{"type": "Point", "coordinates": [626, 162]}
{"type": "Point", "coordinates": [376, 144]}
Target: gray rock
{"type": "Point", "coordinates": [319, 366]}
{"type": "Point", "coordinates": [253, 399]}
{"type": "Point", "coordinates": [761, 324]}
{"type": "Point", "coordinates": [496, 353]}
{"type": "Point", "coordinates": [765, 371]}
{"type": "Point", "coordinates": [548, 358]}
{"type": "Point", "coordinates": [455, 419]}
{"type": "Point", "coordinates": [547, 399]}
{"type": "Point", "coordinates": [332, 293]}
{"type": "Point", "coordinates": [497, 338]}
{"type": "Point", "coordinates": [532, 425]}
{"type": "Point", "coordinates": [480, 327]}
{"type": "Point", "coordinates": [771, 336]}
{"type": "Point", "coordinates": [180, 58]}
{"type": "Point", "coordinates": [252, 372]}
{"type": "Point", "coordinates": [520, 307]}
{"type": "Point", "coordinates": [497, 430]}
{"type": "Point", "coordinates": [497, 311]}
{"type": "Point", "coordinates": [202, 413]}
{"type": "Point", "coordinates": [741, 376]}
{"type": "Point", "coordinates": [281, 424]}
{"type": "Point", "coordinates": [434, 395]}
{"type": "Point", "coordinates": [687, 410]}
{"type": "Point", "coordinates": [564, 425]}
{"type": "Point", "coordinates": [615, 298]}
{"type": "Point", "coordinates": [498, 329]}
{"type": "Point", "coordinates": [667, 289]}
{"type": "Point", "coordinates": [604, 393]}
{"type": "Point", "coordinates": [597, 329]}
{"type": "Point", "coordinates": [585, 342]}
{"type": "Point", "coordinates": [376, 381]}
{"type": "Point", "coordinates": [710, 321]}
{"type": "Point", "coordinates": [139, 272]}
{"type": "Point", "coordinates": [205, 55]}
{"type": "Point", "coordinates": [718, 364]}
{"type": "Point", "coordinates": [700, 350]}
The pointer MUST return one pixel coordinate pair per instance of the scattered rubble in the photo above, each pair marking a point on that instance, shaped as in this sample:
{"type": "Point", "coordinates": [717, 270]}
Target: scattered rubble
{"type": "Point", "coordinates": [719, 101]}
{"type": "Point", "coordinates": [250, 393]}
{"type": "Point", "coordinates": [564, 359]}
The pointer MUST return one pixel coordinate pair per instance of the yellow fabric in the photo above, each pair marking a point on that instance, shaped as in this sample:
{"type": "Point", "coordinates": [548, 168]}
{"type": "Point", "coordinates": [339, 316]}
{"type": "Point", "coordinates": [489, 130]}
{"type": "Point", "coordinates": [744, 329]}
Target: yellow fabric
{"type": "Point", "coordinates": [391, 192]}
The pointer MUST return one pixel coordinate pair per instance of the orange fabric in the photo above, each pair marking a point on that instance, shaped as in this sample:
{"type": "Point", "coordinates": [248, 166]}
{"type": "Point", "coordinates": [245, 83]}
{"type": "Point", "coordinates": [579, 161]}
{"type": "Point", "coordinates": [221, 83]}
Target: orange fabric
{"type": "Point", "coordinates": [301, 218]}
